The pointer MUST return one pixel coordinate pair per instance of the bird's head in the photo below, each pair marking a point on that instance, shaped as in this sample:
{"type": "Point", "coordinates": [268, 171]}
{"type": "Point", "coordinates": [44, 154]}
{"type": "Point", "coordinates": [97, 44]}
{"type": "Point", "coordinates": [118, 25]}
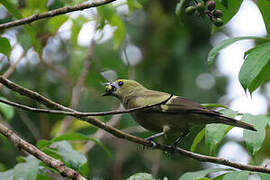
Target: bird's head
{"type": "Point", "coordinates": [122, 88]}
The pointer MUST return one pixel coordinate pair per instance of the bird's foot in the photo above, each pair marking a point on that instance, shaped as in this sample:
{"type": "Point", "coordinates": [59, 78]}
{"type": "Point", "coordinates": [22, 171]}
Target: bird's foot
{"type": "Point", "coordinates": [153, 143]}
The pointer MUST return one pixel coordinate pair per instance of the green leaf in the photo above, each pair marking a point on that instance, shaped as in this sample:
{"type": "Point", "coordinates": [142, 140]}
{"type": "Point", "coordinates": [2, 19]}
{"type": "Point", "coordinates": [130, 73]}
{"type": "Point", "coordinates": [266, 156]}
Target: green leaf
{"type": "Point", "coordinates": [7, 175]}
{"type": "Point", "coordinates": [5, 46]}
{"type": "Point", "coordinates": [179, 7]}
{"type": "Point", "coordinates": [11, 8]}
{"type": "Point", "coordinates": [133, 5]}
{"type": "Point", "coordinates": [120, 33]}
{"type": "Point", "coordinates": [229, 8]}
{"type": "Point", "coordinates": [27, 170]}
{"type": "Point", "coordinates": [56, 22]}
{"type": "Point", "coordinates": [197, 140]}
{"type": "Point", "coordinates": [264, 176]}
{"type": "Point", "coordinates": [74, 158]}
{"type": "Point", "coordinates": [214, 52]}
{"type": "Point", "coordinates": [253, 139]}
{"type": "Point", "coordinates": [236, 175]}
{"type": "Point", "coordinates": [204, 178]}
{"type": "Point", "coordinates": [76, 28]}
{"type": "Point", "coordinates": [141, 176]}
{"type": "Point", "coordinates": [256, 67]}
{"type": "Point", "coordinates": [6, 110]}
{"type": "Point", "coordinates": [25, 40]}
{"type": "Point", "coordinates": [215, 133]}
{"type": "Point", "coordinates": [214, 106]}
{"type": "Point", "coordinates": [199, 174]}
{"type": "Point", "coordinates": [72, 137]}
{"type": "Point", "coordinates": [264, 7]}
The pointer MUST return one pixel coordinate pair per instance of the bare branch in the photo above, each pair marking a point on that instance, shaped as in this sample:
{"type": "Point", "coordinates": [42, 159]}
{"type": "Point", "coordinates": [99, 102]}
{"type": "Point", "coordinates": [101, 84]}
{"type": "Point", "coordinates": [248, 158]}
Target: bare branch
{"type": "Point", "coordinates": [123, 135]}
{"type": "Point", "coordinates": [55, 12]}
{"type": "Point", "coordinates": [50, 161]}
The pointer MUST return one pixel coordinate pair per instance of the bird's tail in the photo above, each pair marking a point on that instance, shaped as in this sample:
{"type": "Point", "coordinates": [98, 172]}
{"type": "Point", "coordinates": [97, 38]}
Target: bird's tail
{"type": "Point", "coordinates": [234, 122]}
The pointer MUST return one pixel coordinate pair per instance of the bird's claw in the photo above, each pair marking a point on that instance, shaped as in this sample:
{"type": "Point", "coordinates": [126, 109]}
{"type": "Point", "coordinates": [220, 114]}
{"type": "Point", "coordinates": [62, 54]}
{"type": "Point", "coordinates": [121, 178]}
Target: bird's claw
{"type": "Point", "coordinates": [153, 143]}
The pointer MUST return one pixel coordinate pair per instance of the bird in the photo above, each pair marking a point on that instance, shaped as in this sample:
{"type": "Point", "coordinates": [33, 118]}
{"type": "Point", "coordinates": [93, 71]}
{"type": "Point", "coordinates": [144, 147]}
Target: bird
{"type": "Point", "coordinates": [173, 115]}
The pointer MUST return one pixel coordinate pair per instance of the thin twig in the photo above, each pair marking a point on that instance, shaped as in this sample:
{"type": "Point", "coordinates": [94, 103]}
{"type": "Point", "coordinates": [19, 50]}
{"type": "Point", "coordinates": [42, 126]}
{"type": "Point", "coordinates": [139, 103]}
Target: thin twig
{"type": "Point", "coordinates": [77, 89]}
{"type": "Point", "coordinates": [55, 12]}
{"type": "Point", "coordinates": [12, 67]}
{"type": "Point", "coordinates": [50, 161]}
{"type": "Point", "coordinates": [123, 135]}
{"type": "Point", "coordinates": [81, 114]}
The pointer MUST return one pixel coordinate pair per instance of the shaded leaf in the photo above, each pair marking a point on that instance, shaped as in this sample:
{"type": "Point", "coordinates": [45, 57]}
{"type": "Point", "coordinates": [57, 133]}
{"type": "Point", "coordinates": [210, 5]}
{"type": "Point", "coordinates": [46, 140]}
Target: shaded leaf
{"type": "Point", "coordinates": [215, 133]}
{"type": "Point", "coordinates": [5, 46]}
{"type": "Point", "coordinates": [253, 139]}
{"type": "Point", "coordinates": [199, 174]}
{"type": "Point", "coordinates": [214, 52]}
{"type": "Point", "coordinates": [6, 110]}
{"type": "Point", "coordinates": [256, 67]}
{"type": "Point", "coordinates": [197, 140]}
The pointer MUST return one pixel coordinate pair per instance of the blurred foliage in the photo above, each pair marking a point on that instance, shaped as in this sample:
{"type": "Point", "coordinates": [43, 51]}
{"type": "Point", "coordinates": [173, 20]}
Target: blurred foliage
{"type": "Point", "coordinates": [137, 39]}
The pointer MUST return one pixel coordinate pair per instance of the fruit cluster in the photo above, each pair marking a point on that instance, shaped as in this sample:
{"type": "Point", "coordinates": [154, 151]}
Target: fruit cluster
{"type": "Point", "coordinates": [207, 7]}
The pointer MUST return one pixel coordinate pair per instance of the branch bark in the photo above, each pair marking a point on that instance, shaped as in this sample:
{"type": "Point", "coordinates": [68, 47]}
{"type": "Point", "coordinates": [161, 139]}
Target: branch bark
{"type": "Point", "coordinates": [123, 135]}
{"type": "Point", "coordinates": [50, 161]}
{"type": "Point", "coordinates": [55, 12]}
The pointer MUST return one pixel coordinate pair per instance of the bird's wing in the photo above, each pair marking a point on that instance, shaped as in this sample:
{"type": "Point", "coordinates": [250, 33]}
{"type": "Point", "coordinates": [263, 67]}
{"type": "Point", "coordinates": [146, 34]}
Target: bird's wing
{"type": "Point", "coordinates": [181, 105]}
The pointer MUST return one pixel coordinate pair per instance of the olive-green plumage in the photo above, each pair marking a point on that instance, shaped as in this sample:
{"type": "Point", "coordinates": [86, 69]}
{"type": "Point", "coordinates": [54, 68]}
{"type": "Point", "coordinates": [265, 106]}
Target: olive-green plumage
{"type": "Point", "coordinates": [176, 116]}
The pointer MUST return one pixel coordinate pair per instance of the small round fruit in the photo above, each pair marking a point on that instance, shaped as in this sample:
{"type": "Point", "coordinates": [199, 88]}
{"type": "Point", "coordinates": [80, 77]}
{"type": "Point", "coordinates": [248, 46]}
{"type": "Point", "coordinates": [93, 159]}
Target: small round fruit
{"type": "Point", "coordinates": [211, 5]}
{"type": "Point", "coordinates": [217, 13]}
{"type": "Point", "coordinates": [200, 7]}
{"type": "Point", "coordinates": [218, 22]}
{"type": "Point", "coordinates": [190, 10]}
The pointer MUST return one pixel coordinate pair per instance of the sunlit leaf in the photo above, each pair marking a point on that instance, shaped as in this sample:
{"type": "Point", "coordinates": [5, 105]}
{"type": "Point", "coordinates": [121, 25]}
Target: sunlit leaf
{"type": "Point", "coordinates": [133, 5]}
{"type": "Point", "coordinates": [264, 176]}
{"type": "Point", "coordinates": [7, 175]}
{"type": "Point", "coordinates": [253, 139]}
{"type": "Point", "coordinates": [56, 22]}
{"type": "Point", "coordinates": [27, 170]}
{"type": "Point", "coordinates": [197, 140]}
{"type": "Point", "coordinates": [72, 137]}
{"type": "Point", "coordinates": [236, 175]}
{"type": "Point", "coordinates": [6, 110]}
{"type": "Point", "coordinates": [215, 133]}
{"type": "Point", "coordinates": [141, 176]}
{"type": "Point", "coordinates": [199, 174]}
{"type": "Point", "coordinates": [256, 67]}
{"type": "Point", "coordinates": [74, 158]}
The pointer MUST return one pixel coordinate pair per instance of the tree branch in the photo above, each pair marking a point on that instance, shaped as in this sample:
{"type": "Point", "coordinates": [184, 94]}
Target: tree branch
{"type": "Point", "coordinates": [50, 161]}
{"type": "Point", "coordinates": [123, 135]}
{"type": "Point", "coordinates": [55, 12]}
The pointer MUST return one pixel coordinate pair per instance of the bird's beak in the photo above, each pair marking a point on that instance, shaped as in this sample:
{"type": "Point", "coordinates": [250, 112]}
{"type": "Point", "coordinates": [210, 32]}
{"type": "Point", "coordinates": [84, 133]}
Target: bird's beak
{"type": "Point", "coordinates": [109, 88]}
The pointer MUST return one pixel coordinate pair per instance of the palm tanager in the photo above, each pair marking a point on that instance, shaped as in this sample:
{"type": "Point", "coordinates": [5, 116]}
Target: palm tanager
{"type": "Point", "coordinates": [176, 116]}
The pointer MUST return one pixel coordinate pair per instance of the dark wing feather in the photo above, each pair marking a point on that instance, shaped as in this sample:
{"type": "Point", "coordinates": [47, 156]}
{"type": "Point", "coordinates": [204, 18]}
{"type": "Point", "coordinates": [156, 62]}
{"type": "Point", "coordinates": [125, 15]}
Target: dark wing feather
{"type": "Point", "coordinates": [182, 105]}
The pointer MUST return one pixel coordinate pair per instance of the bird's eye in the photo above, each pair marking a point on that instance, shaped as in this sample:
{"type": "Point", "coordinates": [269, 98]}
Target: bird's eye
{"type": "Point", "coordinates": [120, 83]}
